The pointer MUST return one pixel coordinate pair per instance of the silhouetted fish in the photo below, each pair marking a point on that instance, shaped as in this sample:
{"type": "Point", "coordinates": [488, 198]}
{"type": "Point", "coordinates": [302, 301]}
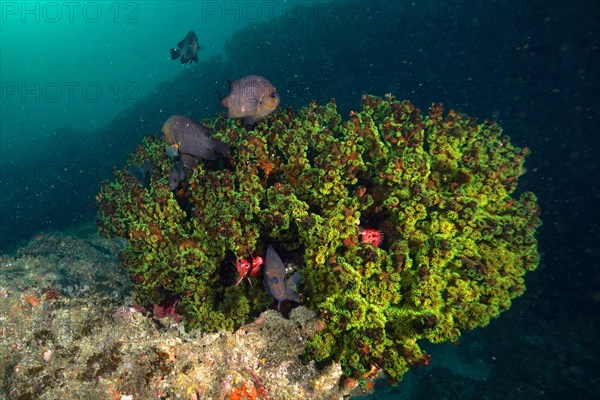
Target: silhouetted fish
{"type": "Point", "coordinates": [141, 174]}
{"type": "Point", "coordinates": [274, 280]}
{"type": "Point", "coordinates": [251, 97]}
{"type": "Point", "coordinates": [187, 49]}
{"type": "Point", "coordinates": [177, 175]}
{"type": "Point", "coordinates": [189, 140]}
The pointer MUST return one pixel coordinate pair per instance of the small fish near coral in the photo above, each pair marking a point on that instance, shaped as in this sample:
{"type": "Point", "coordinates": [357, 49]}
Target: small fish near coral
{"type": "Point", "coordinates": [177, 175]}
{"type": "Point", "coordinates": [279, 287]}
{"type": "Point", "coordinates": [251, 97]}
{"type": "Point", "coordinates": [190, 140]}
{"type": "Point", "coordinates": [187, 49]}
{"type": "Point", "coordinates": [141, 174]}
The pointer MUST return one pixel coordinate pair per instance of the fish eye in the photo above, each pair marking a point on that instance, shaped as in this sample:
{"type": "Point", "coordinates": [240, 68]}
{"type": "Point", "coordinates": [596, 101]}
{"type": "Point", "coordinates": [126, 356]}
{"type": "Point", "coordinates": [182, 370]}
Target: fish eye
{"type": "Point", "coordinates": [273, 95]}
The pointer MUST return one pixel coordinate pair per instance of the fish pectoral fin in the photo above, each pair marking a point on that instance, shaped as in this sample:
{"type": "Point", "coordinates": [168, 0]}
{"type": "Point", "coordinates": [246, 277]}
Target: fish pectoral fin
{"type": "Point", "coordinates": [294, 281]}
{"type": "Point", "coordinates": [172, 151]}
{"type": "Point", "coordinates": [260, 101]}
{"type": "Point", "coordinates": [255, 105]}
{"type": "Point", "coordinates": [291, 287]}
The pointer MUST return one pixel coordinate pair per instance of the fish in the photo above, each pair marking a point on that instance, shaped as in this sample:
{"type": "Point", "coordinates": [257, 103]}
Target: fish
{"type": "Point", "coordinates": [140, 174]}
{"type": "Point", "coordinates": [187, 49]}
{"type": "Point", "coordinates": [274, 279]}
{"type": "Point", "coordinates": [251, 97]}
{"type": "Point", "coordinates": [189, 139]}
{"type": "Point", "coordinates": [177, 175]}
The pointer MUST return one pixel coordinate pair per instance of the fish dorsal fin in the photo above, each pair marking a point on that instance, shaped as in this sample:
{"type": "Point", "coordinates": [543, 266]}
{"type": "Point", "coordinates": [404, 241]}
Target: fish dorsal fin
{"type": "Point", "coordinates": [239, 84]}
{"type": "Point", "coordinates": [272, 258]}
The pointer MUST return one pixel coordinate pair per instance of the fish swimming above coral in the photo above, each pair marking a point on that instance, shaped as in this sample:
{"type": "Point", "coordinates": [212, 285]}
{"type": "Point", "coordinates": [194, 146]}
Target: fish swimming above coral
{"type": "Point", "coordinates": [251, 97]}
{"type": "Point", "coordinates": [189, 140]}
{"type": "Point", "coordinates": [177, 175]}
{"type": "Point", "coordinates": [187, 49]}
{"type": "Point", "coordinates": [274, 280]}
{"type": "Point", "coordinates": [141, 174]}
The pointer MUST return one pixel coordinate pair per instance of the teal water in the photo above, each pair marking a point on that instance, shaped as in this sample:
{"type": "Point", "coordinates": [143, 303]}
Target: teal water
{"type": "Point", "coordinates": [83, 82]}
{"type": "Point", "coordinates": [78, 64]}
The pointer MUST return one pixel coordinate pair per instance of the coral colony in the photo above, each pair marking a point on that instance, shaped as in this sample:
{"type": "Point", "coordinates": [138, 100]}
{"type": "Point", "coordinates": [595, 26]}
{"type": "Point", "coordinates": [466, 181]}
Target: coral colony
{"type": "Point", "coordinates": [405, 228]}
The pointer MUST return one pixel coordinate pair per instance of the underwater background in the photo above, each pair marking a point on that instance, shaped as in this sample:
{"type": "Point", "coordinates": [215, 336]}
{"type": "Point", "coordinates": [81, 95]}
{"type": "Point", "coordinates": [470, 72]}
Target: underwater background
{"type": "Point", "coordinates": [84, 82]}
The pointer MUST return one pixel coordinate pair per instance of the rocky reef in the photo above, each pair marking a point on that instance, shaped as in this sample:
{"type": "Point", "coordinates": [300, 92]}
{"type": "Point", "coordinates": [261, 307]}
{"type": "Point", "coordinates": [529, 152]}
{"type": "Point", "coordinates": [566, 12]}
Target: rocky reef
{"type": "Point", "coordinates": [68, 330]}
{"type": "Point", "coordinates": [439, 188]}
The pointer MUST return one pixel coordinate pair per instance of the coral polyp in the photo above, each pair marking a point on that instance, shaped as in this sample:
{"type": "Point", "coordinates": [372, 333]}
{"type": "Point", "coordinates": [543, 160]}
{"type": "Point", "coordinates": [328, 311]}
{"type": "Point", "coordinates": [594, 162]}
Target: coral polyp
{"type": "Point", "coordinates": [440, 190]}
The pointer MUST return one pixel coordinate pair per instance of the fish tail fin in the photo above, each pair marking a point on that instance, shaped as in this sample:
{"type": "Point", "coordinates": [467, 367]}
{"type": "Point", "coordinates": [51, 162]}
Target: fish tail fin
{"type": "Point", "coordinates": [222, 99]}
{"type": "Point", "coordinates": [175, 54]}
{"type": "Point", "coordinates": [221, 147]}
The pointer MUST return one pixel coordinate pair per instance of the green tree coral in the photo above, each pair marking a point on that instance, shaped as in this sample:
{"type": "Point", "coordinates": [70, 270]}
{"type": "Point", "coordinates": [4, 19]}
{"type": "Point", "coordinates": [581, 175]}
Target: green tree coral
{"type": "Point", "coordinates": [457, 243]}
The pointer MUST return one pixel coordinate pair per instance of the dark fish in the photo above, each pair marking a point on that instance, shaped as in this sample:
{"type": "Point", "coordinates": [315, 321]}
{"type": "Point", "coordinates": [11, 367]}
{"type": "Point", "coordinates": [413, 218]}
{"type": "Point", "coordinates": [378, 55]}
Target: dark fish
{"type": "Point", "coordinates": [100, 249]}
{"type": "Point", "coordinates": [189, 140]}
{"type": "Point", "coordinates": [274, 280]}
{"type": "Point", "coordinates": [177, 175]}
{"type": "Point", "coordinates": [251, 97]}
{"type": "Point", "coordinates": [187, 49]}
{"type": "Point", "coordinates": [141, 174]}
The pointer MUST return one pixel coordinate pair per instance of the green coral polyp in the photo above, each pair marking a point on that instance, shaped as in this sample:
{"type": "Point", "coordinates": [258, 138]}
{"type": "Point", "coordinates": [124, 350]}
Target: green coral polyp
{"type": "Point", "coordinates": [440, 188]}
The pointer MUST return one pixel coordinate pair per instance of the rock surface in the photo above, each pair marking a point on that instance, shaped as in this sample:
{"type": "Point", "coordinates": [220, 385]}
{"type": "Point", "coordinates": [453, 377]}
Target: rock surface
{"type": "Point", "coordinates": [68, 330]}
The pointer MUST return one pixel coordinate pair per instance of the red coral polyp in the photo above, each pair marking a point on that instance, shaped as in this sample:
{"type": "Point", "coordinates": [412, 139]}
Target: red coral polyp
{"type": "Point", "coordinates": [372, 236]}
